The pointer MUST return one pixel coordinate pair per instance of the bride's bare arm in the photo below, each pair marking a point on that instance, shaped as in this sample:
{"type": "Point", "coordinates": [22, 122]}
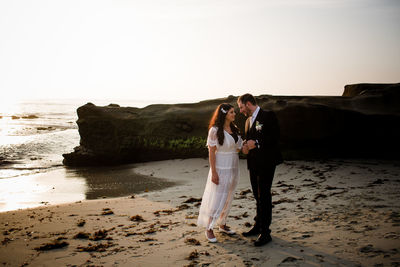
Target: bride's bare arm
{"type": "Point", "coordinates": [211, 156]}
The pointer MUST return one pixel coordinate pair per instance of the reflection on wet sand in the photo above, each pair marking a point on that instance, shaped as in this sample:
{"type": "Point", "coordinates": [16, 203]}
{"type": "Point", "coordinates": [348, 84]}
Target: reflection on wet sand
{"type": "Point", "coordinates": [116, 181]}
{"type": "Point", "coordinates": [68, 185]}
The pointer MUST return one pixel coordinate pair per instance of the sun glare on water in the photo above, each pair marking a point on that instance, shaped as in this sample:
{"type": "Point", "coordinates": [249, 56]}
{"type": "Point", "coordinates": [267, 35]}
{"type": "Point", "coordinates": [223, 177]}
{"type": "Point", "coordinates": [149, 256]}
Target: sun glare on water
{"type": "Point", "coordinates": [8, 106]}
{"type": "Point", "coordinates": [8, 113]}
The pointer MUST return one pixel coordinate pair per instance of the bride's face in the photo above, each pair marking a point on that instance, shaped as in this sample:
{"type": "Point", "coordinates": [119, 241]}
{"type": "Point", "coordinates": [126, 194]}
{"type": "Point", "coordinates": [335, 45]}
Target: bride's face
{"type": "Point", "coordinates": [230, 116]}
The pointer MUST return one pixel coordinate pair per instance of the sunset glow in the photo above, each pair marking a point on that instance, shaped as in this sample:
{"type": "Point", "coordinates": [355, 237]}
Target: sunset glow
{"type": "Point", "coordinates": [180, 51]}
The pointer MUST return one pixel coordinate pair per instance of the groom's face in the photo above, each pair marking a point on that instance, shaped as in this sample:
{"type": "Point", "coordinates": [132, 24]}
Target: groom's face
{"type": "Point", "coordinates": [244, 109]}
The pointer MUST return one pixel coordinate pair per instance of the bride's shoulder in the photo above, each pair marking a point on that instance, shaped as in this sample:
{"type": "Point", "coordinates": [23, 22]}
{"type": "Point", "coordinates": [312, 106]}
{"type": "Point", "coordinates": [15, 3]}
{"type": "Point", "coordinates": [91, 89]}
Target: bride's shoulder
{"type": "Point", "coordinates": [213, 130]}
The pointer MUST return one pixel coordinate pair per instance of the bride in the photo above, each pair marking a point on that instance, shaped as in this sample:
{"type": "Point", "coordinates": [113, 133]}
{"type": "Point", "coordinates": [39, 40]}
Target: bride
{"type": "Point", "coordinates": [224, 143]}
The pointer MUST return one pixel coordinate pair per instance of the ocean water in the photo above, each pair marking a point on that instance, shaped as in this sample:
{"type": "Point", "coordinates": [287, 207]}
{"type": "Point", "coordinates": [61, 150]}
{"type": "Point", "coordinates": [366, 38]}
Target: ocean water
{"type": "Point", "coordinates": [33, 137]}
{"type": "Point", "coordinates": [35, 134]}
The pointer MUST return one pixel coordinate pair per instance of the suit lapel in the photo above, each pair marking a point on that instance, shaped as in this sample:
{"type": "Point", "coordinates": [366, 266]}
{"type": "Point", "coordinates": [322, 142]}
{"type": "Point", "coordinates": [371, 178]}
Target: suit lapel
{"type": "Point", "coordinates": [257, 118]}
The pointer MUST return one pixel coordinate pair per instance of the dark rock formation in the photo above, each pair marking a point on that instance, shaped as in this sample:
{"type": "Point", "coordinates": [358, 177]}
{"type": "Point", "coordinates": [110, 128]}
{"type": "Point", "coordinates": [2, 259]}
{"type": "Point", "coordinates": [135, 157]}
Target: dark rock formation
{"type": "Point", "coordinates": [364, 122]}
{"type": "Point", "coordinates": [371, 89]}
{"type": "Point", "coordinates": [374, 98]}
{"type": "Point", "coordinates": [115, 134]}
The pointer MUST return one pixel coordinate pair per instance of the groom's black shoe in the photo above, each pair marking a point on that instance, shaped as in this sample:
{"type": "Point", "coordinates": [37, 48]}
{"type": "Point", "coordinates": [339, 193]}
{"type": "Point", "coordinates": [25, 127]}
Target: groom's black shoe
{"type": "Point", "coordinates": [253, 231]}
{"type": "Point", "coordinates": [262, 240]}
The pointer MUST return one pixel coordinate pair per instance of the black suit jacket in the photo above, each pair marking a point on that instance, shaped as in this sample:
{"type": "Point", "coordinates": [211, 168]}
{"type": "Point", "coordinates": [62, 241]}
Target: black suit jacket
{"type": "Point", "coordinates": [266, 134]}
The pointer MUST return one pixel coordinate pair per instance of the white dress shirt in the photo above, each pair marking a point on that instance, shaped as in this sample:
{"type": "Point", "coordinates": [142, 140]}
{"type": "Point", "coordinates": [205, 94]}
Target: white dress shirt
{"type": "Point", "coordinates": [254, 116]}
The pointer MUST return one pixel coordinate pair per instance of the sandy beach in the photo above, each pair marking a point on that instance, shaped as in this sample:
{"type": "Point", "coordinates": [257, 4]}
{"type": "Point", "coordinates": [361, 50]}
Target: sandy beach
{"type": "Point", "coordinates": [326, 213]}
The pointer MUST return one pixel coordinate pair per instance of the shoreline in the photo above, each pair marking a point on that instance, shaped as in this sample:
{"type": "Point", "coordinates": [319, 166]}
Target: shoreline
{"type": "Point", "coordinates": [67, 185]}
{"type": "Point", "coordinates": [338, 212]}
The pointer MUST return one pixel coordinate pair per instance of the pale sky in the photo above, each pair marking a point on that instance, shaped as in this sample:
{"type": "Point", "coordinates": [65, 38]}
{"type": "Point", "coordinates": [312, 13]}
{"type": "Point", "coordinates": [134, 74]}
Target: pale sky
{"type": "Point", "coordinates": [192, 50]}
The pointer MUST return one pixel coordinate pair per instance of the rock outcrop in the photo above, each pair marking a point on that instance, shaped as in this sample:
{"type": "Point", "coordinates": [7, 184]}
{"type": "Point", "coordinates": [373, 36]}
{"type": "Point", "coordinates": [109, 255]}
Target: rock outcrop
{"type": "Point", "coordinates": [364, 122]}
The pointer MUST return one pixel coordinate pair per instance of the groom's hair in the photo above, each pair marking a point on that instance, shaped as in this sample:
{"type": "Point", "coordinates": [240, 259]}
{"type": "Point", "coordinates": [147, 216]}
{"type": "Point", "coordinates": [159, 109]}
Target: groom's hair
{"type": "Point", "coordinates": [247, 98]}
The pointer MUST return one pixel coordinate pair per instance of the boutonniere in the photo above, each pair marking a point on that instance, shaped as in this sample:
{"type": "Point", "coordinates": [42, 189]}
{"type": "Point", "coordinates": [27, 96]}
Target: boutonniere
{"type": "Point", "coordinates": [258, 126]}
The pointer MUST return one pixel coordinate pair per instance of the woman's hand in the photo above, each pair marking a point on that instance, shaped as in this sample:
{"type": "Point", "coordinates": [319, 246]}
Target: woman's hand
{"type": "Point", "coordinates": [215, 178]}
{"type": "Point", "coordinates": [245, 149]}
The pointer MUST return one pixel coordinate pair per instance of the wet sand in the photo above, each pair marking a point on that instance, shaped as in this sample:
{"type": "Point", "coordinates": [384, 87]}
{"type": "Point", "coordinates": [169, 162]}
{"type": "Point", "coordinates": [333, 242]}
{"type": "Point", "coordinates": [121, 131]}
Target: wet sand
{"type": "Point", "coordinates": [65, 185]}
{"type": "Point", "coordinates": [326, 213]}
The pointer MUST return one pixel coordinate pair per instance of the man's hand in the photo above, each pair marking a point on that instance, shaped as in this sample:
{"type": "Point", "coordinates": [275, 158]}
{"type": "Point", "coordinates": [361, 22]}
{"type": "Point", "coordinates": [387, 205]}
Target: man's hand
{"type": "Point", "coordinates": [251, 144]}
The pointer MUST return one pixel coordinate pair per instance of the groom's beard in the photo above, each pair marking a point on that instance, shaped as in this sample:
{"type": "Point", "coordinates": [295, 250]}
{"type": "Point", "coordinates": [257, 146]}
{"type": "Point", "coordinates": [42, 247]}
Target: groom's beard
{"type": "Point", "coordinates": [248, 112]}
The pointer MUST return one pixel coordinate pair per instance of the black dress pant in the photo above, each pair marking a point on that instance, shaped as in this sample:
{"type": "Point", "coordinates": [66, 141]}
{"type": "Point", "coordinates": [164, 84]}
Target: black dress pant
{"type": "Point", "coordinates": [261, 182]}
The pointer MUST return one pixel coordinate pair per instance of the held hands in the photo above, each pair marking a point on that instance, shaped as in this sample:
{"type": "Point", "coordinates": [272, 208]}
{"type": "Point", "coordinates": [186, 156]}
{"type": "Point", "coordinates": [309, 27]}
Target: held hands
{"type": "Point", "coordinates": [245, 148]}
{"type": "Point", "coordinates": [248, 145]}
{"type": "Point", "coordinates": [251, 144]}
{"type": "Point", "coordinates": [215, 178]}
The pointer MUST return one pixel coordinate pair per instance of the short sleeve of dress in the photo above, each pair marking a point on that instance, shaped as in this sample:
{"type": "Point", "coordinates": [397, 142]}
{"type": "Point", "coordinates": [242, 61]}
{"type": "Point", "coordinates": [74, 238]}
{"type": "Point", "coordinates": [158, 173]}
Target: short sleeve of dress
{"type": "Point", "coordinates": [239, 143]}
{"type": "Point", "coordinates": [212, 139]}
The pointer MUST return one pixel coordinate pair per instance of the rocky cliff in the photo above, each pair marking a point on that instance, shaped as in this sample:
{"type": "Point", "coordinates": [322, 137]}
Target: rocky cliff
{"type": "Point", "coordinates": [364, 122]}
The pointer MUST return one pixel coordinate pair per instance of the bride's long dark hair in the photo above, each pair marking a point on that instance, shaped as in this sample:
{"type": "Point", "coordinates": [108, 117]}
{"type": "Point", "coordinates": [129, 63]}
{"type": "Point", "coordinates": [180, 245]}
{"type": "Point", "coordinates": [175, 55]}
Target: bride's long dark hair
{"type": "Point", "coordinates": [218, 120]}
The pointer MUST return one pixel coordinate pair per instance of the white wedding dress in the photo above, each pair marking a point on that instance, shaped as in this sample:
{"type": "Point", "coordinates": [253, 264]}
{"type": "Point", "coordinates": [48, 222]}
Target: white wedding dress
{"type": "Point", "coordinates": [217, 199]}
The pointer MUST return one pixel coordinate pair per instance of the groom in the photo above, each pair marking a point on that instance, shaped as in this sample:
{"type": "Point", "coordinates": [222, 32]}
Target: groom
{"type": "Point", "coordinates": [263, 154]}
